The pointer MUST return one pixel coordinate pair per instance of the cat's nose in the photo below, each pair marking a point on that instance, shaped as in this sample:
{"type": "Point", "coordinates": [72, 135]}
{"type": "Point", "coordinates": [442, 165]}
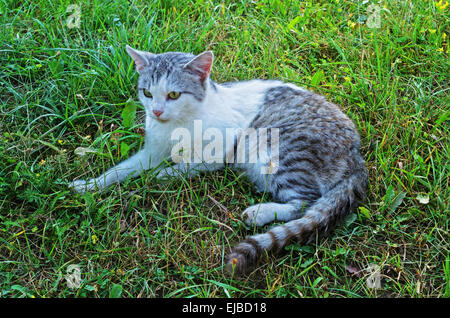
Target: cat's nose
{"type": "Point", "coordinates": [157, 112]}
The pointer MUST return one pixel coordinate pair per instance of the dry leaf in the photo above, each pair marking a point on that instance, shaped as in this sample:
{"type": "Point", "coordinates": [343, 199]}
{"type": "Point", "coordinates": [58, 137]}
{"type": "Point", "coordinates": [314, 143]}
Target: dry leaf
{"type": "Point", "coordinates": [81, 151]}
{"type": "Point", "coordinates": [353, 270]}
{"type": "Point", "coordinates": [374, 279]}
{"type": "Point", "coordinates": [424, 199]}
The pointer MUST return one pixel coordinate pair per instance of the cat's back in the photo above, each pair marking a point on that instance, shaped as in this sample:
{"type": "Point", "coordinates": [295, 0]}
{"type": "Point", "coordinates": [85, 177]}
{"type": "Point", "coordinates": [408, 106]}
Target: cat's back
{"type": "Point", "coordinates": [301, 114]}
{"type": "Point", "coordinates": [317, 142]}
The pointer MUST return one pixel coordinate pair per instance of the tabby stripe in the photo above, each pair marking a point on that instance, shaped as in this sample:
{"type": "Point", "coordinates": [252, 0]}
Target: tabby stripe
{"type": "Point", "coordinates": [296, 158]}
{"type": "Point", "coordinates": [317, 156]}
{"type": "Point", "coordinates": [292, 169]}
{"type": "Point", "coordinates": [289, 235]}
{"type": "Point", "coordinates": [301, 182]}
{"type": "Point", "coordinates": [254, 244]}
{"type": "Point", "coordinates": [297, 139]}
{"type": "Point", "coordinates": [274, 244]}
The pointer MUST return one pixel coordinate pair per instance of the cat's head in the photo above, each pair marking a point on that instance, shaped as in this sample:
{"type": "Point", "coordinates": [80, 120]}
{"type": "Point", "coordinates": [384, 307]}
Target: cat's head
{"type": "Point", "coordinates": [171, 85]}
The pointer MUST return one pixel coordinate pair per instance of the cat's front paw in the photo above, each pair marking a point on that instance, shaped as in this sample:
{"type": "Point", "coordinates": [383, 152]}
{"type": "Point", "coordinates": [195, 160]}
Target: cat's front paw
{"type": "Point", "coordinates": [82, 186]}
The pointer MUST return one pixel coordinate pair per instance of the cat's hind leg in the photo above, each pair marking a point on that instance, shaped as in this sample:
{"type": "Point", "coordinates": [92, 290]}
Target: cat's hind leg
{"type": "Point", "coordinates": [263, 213]}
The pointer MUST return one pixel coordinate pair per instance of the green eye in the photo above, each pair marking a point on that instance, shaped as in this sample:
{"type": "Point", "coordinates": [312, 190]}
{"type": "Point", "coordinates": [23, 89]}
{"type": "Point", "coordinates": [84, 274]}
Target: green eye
{"type": "Point", "coordinates": [147, 93]}
{"type": "Point", "coordinates": [174, 95]}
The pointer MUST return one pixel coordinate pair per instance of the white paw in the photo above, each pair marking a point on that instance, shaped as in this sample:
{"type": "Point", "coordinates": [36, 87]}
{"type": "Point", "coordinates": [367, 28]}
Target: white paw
{"type": "Point", "coordinates": [82, 186]}
{"type": "Point", "coordinates": [258, 214]}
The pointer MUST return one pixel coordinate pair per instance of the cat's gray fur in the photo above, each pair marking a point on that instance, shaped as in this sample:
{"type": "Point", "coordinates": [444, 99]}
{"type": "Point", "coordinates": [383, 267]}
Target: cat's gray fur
{"type": "Point", "coordinates": [321, 171]}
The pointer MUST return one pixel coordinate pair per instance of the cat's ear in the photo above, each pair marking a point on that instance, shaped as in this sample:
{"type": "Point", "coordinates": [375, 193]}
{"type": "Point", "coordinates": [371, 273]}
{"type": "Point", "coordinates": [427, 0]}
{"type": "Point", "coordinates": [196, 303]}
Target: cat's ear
{"type": "Point", "coordinates": [201, 64]}
{"type": "Point", "coordinates": [141, 58]}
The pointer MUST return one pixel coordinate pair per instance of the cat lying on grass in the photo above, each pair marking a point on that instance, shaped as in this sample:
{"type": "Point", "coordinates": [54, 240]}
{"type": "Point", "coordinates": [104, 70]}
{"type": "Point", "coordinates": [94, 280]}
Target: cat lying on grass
{"type": "Point", "coordinates": [315, 172]}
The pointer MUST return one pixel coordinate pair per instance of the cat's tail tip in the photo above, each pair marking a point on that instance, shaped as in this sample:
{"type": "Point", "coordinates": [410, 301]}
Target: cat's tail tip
{"type": "Point", "coordinates": [236, 264]}
{"type": "Point", "coordinates": [241, 258]}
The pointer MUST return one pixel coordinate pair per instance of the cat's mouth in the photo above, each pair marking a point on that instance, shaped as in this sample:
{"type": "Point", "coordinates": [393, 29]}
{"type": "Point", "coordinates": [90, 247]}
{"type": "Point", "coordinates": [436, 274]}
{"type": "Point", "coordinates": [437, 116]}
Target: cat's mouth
{"type": "Point", "coordinates": [161, 120]}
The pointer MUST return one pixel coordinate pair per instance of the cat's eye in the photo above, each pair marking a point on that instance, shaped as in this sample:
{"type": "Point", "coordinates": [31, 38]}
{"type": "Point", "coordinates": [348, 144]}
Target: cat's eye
{"type": "Point", "coordinates": [147, 93]}
{"type": "Point", "coordinates": [174, 95]}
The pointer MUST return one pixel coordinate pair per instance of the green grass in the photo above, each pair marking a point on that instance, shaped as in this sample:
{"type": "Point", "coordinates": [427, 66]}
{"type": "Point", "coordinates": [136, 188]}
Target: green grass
{"type": "Point", "coordinates": [66, 88]}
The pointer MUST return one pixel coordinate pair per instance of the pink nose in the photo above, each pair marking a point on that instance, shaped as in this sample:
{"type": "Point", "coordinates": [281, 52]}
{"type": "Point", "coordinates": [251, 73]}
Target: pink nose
{"type": "Point", "coordinates": [157, 112]}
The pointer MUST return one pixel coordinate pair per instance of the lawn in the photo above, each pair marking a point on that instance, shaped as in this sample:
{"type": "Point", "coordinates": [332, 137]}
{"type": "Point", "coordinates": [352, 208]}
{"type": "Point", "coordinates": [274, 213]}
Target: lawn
{"type": "Point", "coordinates": [69, 109]}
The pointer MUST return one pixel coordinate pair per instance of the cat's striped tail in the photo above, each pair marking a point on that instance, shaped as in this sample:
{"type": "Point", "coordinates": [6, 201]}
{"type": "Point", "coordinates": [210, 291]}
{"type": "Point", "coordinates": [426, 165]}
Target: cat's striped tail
{"type": "Point", "coordinates": [319, 219]}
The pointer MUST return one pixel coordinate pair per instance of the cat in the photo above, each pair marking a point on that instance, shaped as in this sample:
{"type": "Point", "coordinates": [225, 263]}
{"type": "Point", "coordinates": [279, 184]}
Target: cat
{"type": "Point", "coordinates": [320, 174]}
